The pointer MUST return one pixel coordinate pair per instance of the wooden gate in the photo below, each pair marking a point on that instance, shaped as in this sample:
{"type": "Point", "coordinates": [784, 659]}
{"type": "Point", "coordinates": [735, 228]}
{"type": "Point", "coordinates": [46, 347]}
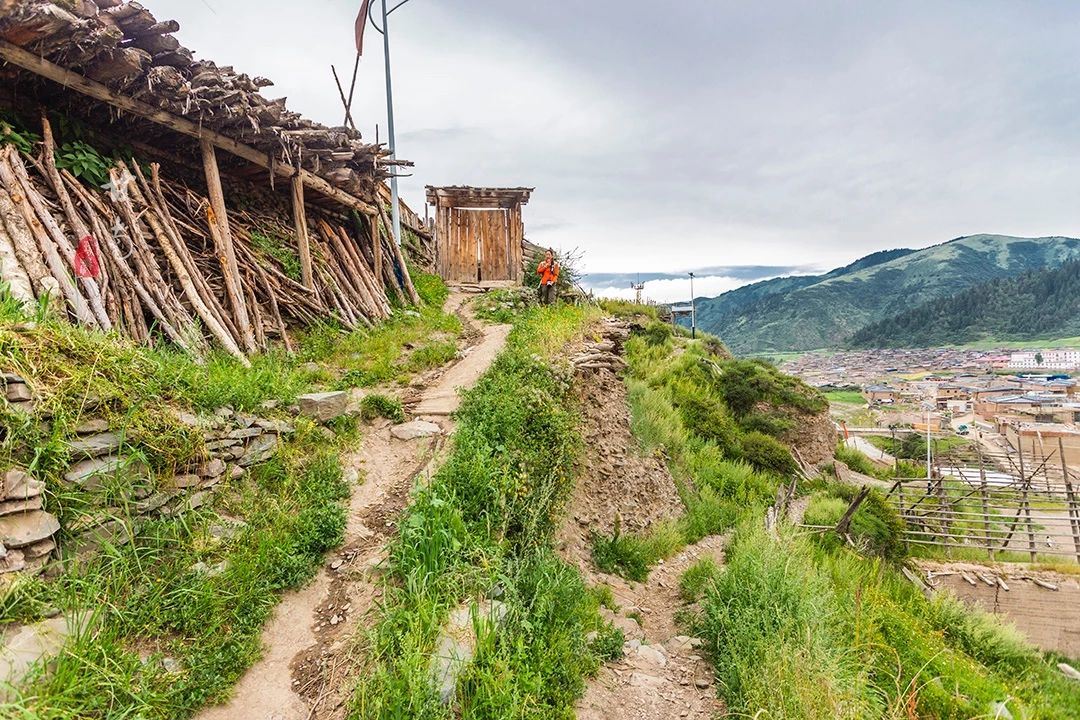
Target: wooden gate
{"type": "Point", "coordinates": [479, 233]}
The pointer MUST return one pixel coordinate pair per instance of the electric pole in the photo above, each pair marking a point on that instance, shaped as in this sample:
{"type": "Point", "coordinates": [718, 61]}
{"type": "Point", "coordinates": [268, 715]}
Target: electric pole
{"type": "Point", "coordinates": [693, 309]}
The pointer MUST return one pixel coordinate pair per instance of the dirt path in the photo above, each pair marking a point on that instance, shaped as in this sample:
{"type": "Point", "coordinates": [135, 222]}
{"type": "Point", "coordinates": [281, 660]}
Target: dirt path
{"type": "Point", "coordinates": [662, 674]}
{"type": "Point", "coordinates": [307, 643]}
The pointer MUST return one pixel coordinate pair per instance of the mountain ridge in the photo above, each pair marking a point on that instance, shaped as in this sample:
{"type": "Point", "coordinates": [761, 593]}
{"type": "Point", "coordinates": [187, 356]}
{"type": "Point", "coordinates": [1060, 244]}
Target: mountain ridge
{"type": "Point", "coordinates": [817, 311]}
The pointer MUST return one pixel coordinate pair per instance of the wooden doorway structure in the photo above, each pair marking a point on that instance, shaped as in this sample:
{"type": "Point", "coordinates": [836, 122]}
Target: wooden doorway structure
{"type": "Point", "coordinates": [478, 232]}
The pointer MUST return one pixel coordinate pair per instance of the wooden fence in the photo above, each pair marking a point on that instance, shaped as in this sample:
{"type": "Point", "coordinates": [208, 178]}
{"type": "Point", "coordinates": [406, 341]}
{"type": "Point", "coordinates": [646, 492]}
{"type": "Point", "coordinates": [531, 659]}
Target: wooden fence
{"type": "Point", "coordinates": [1002, 503]}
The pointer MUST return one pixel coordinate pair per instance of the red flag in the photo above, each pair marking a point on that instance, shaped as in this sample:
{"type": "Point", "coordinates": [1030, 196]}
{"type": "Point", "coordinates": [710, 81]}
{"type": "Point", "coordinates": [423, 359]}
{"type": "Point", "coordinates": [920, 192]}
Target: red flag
{"type": "Point", "coordinates": [86, 259]}
{"type": "Point", "coordinates": [361, 23]}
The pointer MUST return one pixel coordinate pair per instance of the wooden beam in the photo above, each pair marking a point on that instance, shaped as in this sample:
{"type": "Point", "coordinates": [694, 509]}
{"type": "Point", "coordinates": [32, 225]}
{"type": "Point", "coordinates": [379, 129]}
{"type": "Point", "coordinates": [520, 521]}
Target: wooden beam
{"type": "Point", "coordinates": [303, 242]}
{"type": "Point", "coordinates": [219, 228]}
{"type": "Point", "coordinates": [39, 66]}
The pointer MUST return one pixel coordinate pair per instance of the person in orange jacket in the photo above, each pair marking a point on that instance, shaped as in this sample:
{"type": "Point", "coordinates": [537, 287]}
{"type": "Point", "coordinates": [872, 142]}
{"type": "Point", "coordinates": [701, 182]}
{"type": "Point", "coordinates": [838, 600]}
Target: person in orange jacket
{"type": "Point", "coordinates": [548, 271]}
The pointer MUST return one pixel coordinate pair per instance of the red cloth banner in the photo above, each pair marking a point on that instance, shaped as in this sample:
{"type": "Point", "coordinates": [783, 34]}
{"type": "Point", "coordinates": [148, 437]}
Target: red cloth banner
{"type": "Point", "coordinates": [86, 258]}
{"type": "Point", "coordinates": [361, 23]}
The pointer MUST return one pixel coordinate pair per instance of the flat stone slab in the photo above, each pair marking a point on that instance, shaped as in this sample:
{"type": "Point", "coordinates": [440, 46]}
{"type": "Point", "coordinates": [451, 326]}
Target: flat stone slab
{"type": "Point", "coordinates": [17, 484]}
{"type": "Point", "coordinates": [92, 426]}
{"type": "Point", "coordinates": [27, 528]}
{"type": "Point", "coordinates": [260, 450]}
{"type": "Point", "coordinates": [96, 445]}
{"type": "Point", "coordinates": [415, 429]}
{"type": "Point", "coordinates": [25, 646]}
{"type": "Point", "coordinates": [18, 392]}
{"type": "Point", "coordinates": [456, 646]}
{"type": "Point", "coordinates": [11, 507]}
{"type": "Point", "coordinates": [325, 405]}
{"type": "Point", "coordinates": [90, 473]}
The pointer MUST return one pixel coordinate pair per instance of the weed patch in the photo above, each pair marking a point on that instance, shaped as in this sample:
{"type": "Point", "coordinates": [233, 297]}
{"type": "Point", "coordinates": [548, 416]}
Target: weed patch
{"type": "Point", "coordinates": [485, 526]}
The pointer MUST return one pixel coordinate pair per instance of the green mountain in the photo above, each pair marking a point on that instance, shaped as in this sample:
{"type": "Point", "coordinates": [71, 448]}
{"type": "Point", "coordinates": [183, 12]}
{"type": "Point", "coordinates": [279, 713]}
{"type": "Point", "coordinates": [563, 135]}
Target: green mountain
{"type": "Point", "coordinates": [1038, 304]}
{"type": "Point", "coordinates": [810, 312]}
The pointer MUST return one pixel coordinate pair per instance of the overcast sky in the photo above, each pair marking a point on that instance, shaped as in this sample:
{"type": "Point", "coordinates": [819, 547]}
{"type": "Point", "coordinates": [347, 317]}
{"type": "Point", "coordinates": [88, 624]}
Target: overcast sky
{"type": "Point", "coordinates": [681, 135]}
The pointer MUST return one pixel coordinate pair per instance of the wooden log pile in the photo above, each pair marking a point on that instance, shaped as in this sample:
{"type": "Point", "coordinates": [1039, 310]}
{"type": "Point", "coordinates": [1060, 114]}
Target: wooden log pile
{"type": "Point", "coordinates": [156, 260]}
{"type": "Point", "coordinates": [604, 354]}
{"type": "Point", "coordinates": [125, 48]}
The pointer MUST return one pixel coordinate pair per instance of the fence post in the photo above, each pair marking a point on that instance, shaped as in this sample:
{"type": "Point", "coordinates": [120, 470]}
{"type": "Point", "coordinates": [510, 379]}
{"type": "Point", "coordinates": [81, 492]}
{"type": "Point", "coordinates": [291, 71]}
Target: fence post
{"type": "Point", "coordinates": [944, 513]}
{"type": "Point", "coordinates": [1024, 502]}
{"type": "Point", "coordinates": [1074, 509]}
{"type": "Point", "coordinates": [984, 494]}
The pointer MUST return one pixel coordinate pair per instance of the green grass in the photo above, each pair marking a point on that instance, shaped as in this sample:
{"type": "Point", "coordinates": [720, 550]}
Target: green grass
{"type": "Point", "coordinates": [379, 405]}
{"type": "Point", "coordinates": [717, 421]}
{"type": "Point", "coordinates": [148, 601]}
{"type": "Point", "coordinates": [485, 526]}
{"type": "Point", "coordinates": [805, 626]}
{"type": "Point", "coordinates": [798, 630]}
{"type": "Point", "coordinates": [852, 397]}
{"type": "Point", "coordinates": [151, 599]}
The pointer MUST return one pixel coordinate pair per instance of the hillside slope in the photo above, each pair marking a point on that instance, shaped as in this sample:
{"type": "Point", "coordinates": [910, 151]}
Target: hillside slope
{"type": "Point", "coordinates": [1038, 304]}
{"type": "Point", "coordinates": [804, 313]}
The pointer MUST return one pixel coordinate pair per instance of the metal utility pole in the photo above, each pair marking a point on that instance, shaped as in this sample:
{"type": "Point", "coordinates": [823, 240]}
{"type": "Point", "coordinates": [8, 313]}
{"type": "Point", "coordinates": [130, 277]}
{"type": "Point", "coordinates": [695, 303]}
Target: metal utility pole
{"type": "Point", "coordinates": [395, 210]}
{"type": "Point", "coordinates": [693, 309]}
{"type": "Point", "coordinates": [929, 476]}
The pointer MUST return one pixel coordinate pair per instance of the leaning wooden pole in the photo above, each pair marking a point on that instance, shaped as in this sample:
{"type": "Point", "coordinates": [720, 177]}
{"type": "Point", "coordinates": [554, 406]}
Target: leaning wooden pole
{"type": "Point", "coordinates": [1070, 497]}
{"type": "Point", "coordinates": [219, 227]}
{"type": "Point", "coordinates": [303, 241]}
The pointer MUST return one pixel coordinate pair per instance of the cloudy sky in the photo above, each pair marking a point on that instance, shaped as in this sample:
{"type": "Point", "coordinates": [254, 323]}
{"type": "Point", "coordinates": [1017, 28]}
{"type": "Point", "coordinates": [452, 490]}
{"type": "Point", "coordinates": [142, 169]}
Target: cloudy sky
{"type": "Point", "coordinates": [662, 137]}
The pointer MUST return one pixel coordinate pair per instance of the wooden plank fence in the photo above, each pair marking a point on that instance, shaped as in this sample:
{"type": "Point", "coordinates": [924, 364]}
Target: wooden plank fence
{"type": "Point", "coordinates": [1001, 504]}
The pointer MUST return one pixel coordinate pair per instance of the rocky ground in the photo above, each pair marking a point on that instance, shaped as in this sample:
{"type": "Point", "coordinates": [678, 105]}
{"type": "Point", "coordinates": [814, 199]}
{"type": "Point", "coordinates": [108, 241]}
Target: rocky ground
{"type": "Point", "coordinates": [662, 673]}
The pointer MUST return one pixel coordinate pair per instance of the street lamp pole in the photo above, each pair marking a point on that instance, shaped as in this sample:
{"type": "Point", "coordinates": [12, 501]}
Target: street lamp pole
{"type": "Point", "coordinates": [929, 481]}
{"type": "Point", "coordinates": [395, 211]}
{"type": "Point", "coordinates": [693, 309]}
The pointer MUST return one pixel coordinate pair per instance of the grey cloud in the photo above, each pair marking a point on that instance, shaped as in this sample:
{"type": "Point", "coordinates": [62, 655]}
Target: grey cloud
{"type": "Point", "coordinates": [713, 132]}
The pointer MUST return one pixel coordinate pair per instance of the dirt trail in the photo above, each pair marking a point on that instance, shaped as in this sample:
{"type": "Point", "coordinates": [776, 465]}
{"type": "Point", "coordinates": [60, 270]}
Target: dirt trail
{"type": "Point", "coordinates": [662, 674]}
{"type": "Point", "coordinates": [307, 649]}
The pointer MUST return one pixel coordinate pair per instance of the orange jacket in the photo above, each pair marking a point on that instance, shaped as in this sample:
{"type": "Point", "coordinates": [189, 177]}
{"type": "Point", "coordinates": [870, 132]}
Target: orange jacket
{"type": "Point", "coordinates": [548, 274]}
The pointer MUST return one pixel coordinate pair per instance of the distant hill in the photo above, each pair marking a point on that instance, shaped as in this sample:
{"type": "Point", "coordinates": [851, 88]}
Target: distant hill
{"type": "Point", "coordinates": [820, 311]}
{"type": "Point", "coordinates": [1038, 304]}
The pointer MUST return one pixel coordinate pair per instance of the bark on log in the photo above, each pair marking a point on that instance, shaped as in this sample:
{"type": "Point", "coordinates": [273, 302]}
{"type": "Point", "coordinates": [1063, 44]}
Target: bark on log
{"type": "Point", "coordinates": [89, 284]}
{"type": "Point", "coordinates": [26, 248]}
{"type": "Point", "coordinates": [57, 267]}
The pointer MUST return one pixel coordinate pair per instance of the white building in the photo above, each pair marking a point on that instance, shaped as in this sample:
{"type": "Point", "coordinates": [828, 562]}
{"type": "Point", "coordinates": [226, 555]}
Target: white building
{"type": "Point", "coordinates": [1067, 359]}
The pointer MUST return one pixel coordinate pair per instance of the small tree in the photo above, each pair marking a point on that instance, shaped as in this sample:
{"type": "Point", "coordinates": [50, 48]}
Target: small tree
{"type": "Point", "coordinates": [1038, 359]}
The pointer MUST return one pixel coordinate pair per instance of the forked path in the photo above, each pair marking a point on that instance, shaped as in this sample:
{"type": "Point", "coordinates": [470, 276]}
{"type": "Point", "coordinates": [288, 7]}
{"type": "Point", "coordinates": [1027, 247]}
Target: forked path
{"type": "Point", "coordinates": [307, 648]}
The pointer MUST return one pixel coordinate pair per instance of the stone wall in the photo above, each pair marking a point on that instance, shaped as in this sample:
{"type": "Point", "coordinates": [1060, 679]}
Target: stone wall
{"type": "Point", "coordinates": [102, 461]}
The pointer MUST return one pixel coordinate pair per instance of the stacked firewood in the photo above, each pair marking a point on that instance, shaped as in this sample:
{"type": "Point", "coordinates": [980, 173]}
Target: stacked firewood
{"type": "Point", "coordinates": [605, 353]}
{"type": "Point", "coordinates": [147, 257]}
{"type": "Point", "coordinates": [124, 47]}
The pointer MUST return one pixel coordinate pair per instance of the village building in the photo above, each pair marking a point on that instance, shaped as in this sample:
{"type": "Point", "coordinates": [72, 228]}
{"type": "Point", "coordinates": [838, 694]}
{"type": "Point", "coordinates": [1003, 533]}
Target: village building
{"type": "Point", "coordinates": [881, 394]}
{"type": "Point", "coordinates": [479, 233]}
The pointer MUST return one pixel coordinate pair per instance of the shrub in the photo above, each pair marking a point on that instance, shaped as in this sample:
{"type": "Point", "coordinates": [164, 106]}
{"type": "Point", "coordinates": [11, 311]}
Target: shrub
{"type": "Point", "coordinates": [697, 578]}
{"type": "Point", "coordinates": [378, 405]}
{"type": "Point", "coordinates": [656, 333]}
{"type": "Point", "coordinates": [607, 645]}
{"type": "Point", "coordinates": [767, 453]}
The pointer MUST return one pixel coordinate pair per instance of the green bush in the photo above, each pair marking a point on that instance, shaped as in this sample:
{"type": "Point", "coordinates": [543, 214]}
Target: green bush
{"type": "Point", "coordinates": [378, 405]}
{"type": "Point", "coordinates": [631, 555]}
{"type": "Point", "coordinates": [768, 454]}
{"type": "Point", "coordinates": [656, 333]}
{"type": "Point", "coordinates": [607, 645]}
{"type": "Point", "coordinates": [875, 527]}
{"type": "Point", "coordinates": [697, 578]}
{"type": "Point", "coordinates": [765, 622]}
